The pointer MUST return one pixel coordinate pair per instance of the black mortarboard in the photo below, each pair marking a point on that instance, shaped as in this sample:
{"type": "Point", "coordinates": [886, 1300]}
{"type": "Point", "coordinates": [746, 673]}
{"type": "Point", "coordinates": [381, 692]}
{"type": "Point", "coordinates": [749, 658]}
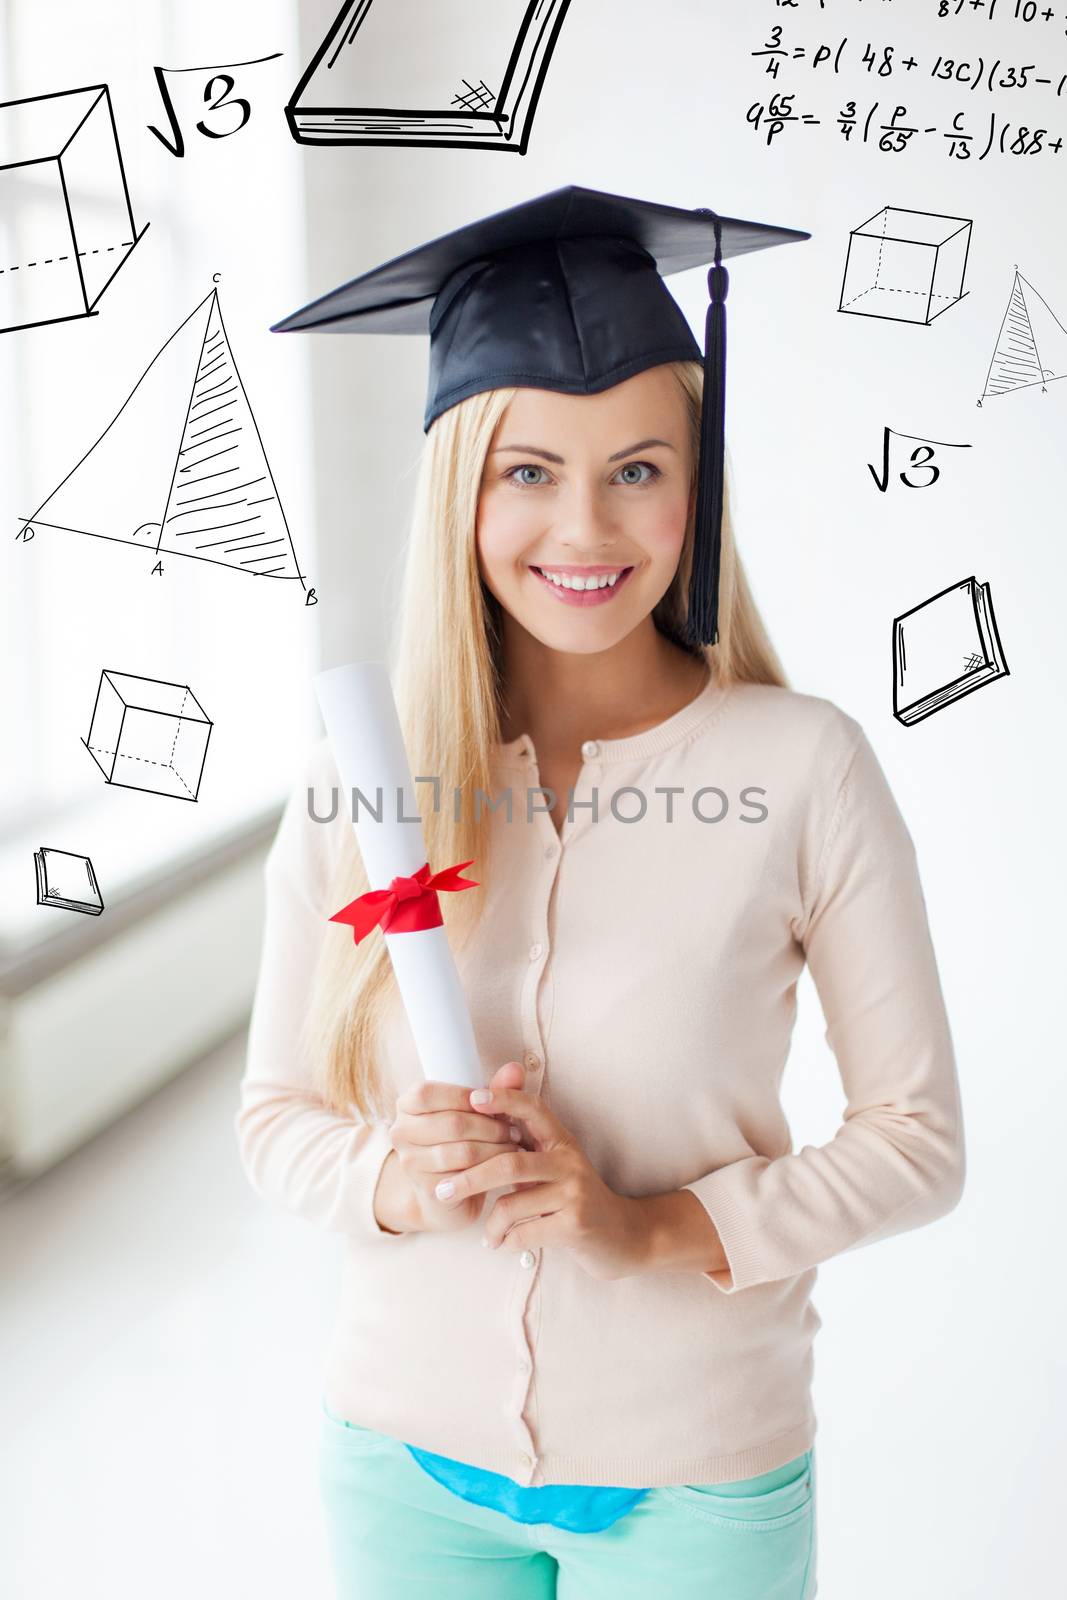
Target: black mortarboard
{"type": "Point", "coordinates": [565, 292]}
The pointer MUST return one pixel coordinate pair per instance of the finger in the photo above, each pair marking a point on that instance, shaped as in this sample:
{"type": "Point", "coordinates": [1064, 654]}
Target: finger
{"type": "Point", "coordinates": [513, 1166]}
{"type": "Point", "coordinates": [459, 1156]}
{"type": "Point", "coordinates": [430, 1094]}
{"type": "Point", "coordinates": [446, 1127]}
{"type": "Point", "coordinates": [512, 1075]}
{"type": "Point", "coordinates": [528, 1108]}
{"type": "Point", "coordinates": [527, 1205]}
{"type": "Point", "coordinates": [531, 1233]}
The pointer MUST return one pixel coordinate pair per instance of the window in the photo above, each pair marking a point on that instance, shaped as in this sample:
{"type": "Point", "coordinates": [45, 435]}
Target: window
{"type": "Point", "coordinates": [75, 605]}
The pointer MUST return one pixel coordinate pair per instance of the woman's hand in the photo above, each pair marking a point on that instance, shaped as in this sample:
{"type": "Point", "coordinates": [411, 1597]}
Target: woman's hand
{"type": "Point", "coordinates": [436, 1135]}
{"type": "Point", "coordinates": [561, 1198]}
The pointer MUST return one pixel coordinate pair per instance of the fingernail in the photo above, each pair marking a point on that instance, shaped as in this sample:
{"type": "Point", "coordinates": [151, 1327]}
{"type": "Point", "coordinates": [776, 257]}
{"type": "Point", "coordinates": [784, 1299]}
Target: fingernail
{"type": "Point", "coordinates": [445, 1189]}
{"type": "Point", "coordinates": [481, 1097]}
{"type": "Point", "coordinates": [515, 1134]}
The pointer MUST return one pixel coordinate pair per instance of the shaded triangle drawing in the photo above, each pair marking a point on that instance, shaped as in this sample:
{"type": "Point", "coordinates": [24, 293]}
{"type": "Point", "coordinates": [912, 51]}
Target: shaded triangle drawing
{"type": "Point", "coordinates": [1031, 347]}
{"type": "Point", "coordinates": [180, 469]}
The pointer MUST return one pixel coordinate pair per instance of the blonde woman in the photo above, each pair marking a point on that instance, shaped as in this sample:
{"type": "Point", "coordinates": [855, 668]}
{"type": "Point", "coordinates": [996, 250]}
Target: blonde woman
{"type": "Point", "coordinates": [573, 1353]}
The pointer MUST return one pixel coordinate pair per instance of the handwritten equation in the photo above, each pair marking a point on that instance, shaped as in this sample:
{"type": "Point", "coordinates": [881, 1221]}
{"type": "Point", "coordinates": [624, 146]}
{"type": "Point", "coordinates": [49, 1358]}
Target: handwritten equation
{"type": "Point", "coordinates": [972, 10]}
{"type": "Point", "coordinates": [919, 461]}
{"type": "Point", "coordinates": [1010, 11]}
{"type": "Point", "coordinates": [885, 60]}
{"type": "Point", "coordinates": [1027, 89]}
{"type": "Point", "coordinates": [893, 133]}
{"type": "Point", "coordinates": [216, 85]}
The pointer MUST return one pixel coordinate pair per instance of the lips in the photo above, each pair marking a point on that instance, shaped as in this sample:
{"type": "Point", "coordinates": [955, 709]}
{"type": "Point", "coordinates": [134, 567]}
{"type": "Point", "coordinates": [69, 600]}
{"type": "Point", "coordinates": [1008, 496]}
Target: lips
{"type": "Point", "coordinates": [584, 597]}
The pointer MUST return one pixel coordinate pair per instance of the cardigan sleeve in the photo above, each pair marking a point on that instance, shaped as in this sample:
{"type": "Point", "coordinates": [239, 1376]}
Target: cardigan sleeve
{"type": "Point", "coordinates": [897, 1161]}
{"type": "Point", "coordinates": [296, 1153]}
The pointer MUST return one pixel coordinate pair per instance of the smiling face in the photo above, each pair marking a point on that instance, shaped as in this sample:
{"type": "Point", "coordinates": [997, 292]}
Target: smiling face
{"type": "Point", "coordinates": [583, 506]}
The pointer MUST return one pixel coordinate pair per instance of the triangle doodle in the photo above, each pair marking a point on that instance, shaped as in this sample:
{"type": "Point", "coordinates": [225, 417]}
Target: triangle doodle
{"type": "Point", "coordinates": [180, 469]}
{"type": "Point", "coordinates": [1031, 348]}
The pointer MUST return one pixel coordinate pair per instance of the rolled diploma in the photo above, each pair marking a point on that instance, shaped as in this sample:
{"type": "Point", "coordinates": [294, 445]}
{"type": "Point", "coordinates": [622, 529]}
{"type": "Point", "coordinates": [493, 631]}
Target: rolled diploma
{"type": "Point", "coordinates": [364, 730]}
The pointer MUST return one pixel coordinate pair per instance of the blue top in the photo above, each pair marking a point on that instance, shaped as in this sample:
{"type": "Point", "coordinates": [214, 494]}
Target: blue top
{"type": "Point", "coordinates": [578, 1507]}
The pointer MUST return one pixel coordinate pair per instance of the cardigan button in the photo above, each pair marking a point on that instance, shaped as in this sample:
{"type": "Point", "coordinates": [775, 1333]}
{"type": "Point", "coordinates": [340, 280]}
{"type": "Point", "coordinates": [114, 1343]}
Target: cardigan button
{"type": "Point", "coordinates": [527, 1258]}
{"type": "Point", "coordinates": [590, 749]}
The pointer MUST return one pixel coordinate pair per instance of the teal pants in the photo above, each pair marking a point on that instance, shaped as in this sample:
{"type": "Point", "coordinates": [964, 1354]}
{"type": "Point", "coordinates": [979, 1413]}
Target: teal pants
{"type": "Point", "coordinates": [396, 1533]}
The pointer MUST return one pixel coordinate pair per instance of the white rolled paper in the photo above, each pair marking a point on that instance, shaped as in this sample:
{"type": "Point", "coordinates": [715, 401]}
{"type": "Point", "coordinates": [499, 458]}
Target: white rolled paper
{"type": "Point", "coordinates": [364, 730]}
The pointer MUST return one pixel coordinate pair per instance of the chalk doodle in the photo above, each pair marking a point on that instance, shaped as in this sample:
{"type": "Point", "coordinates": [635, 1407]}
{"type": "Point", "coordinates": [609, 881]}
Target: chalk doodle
{"type": "Point", "coordinates": [920, 460]}
{"type": "Point", "coordinates": [943, 649]}
{"type": "Point", "coordinates": [149, 734]}
{"type": "Point", "coordinates": [905, 266]}
{"type": "Point", "coordinates": [67, 881]}
{"type": "Point", "coordinates": [180, 469]}
{"type": "Point", "coordinates": [222, 117]}
{"type": "Point", "coordinates": [474, 84]}
{"type": "Point", "coordinates": [1031, 335]}
{"type": "Point", "coordinates": [66, 219]}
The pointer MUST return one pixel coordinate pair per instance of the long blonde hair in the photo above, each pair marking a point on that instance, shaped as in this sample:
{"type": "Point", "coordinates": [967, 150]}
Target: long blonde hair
{"type": "Point", "coordinates": [447, 675]}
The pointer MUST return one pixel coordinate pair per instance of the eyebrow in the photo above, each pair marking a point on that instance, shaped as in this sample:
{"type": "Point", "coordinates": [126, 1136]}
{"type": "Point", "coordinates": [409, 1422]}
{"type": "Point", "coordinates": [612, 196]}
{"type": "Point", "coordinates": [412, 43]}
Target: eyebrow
{"type": "Point", "coordinates": [548, 455]}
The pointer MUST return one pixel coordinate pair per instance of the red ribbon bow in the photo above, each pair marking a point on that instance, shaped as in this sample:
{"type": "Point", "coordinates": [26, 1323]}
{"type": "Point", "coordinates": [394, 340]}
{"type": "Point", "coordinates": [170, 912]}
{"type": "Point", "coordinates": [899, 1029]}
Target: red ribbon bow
{"type": "Point", "coordinates": [409, 905]}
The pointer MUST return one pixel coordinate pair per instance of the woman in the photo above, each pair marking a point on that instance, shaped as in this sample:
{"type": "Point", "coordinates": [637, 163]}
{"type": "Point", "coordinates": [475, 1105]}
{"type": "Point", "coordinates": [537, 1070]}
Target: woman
{"type": "Point", "coordinates": [583, 1365]}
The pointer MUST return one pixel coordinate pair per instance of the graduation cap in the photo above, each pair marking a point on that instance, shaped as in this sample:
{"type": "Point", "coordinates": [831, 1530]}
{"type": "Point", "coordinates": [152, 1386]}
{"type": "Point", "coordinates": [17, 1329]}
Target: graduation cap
{"type": "Point", "coordinates": [565, 292]}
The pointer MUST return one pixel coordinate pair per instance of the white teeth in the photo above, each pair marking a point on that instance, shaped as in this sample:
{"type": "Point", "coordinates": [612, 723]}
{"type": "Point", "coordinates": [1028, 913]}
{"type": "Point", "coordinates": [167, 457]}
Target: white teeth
{"type": "Point", "coordinates": [565, 582]}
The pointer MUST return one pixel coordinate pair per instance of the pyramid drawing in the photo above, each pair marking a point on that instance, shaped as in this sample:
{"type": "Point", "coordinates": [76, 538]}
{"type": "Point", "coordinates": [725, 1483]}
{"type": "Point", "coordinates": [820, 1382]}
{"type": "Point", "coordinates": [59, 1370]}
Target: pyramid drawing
{"type": "Point", "coordinates": [180, 469]}
{"type": "Point", "coordinates": [1031, 347]}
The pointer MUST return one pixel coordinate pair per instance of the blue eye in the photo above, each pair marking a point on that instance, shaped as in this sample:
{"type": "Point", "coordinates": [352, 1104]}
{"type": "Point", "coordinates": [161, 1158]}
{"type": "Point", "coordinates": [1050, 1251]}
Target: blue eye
{"type": "Point", "coordinates": [631, 483]}
{"type": "Point", "coordinates": [639, 483]}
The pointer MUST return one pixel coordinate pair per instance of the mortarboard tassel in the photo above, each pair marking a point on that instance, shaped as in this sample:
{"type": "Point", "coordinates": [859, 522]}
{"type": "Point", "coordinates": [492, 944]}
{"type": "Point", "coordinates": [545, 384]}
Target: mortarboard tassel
{"type": "Point", "coordinates": [702, 626]}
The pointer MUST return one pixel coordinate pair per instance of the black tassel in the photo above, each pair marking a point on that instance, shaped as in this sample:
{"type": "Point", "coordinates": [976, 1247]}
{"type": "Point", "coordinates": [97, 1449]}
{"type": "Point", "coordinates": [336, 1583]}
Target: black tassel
{"type": "Point", "coordinates": [703, 617]}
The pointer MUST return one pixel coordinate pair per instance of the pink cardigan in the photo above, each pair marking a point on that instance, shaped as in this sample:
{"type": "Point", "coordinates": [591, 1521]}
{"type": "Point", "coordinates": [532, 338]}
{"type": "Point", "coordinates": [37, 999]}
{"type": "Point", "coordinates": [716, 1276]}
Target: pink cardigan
{"type": "Point", "coordinates": [645, 972]}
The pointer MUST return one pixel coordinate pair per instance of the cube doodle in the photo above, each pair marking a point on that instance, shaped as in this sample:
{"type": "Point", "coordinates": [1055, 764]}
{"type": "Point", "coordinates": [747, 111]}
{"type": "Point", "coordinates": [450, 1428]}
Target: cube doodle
{"type": "Point", "coordinates": [66, 220]}
{"type": "Point", "coordinates": [905, 266]}
{"type": "Point", "coordinates": [149, 734]}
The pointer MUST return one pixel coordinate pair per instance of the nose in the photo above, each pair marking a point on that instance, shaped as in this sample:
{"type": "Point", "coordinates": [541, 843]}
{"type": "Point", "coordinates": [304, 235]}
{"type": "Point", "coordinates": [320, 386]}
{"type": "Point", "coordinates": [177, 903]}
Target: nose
{"type": "Point", "coordinates": [587, 521]}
